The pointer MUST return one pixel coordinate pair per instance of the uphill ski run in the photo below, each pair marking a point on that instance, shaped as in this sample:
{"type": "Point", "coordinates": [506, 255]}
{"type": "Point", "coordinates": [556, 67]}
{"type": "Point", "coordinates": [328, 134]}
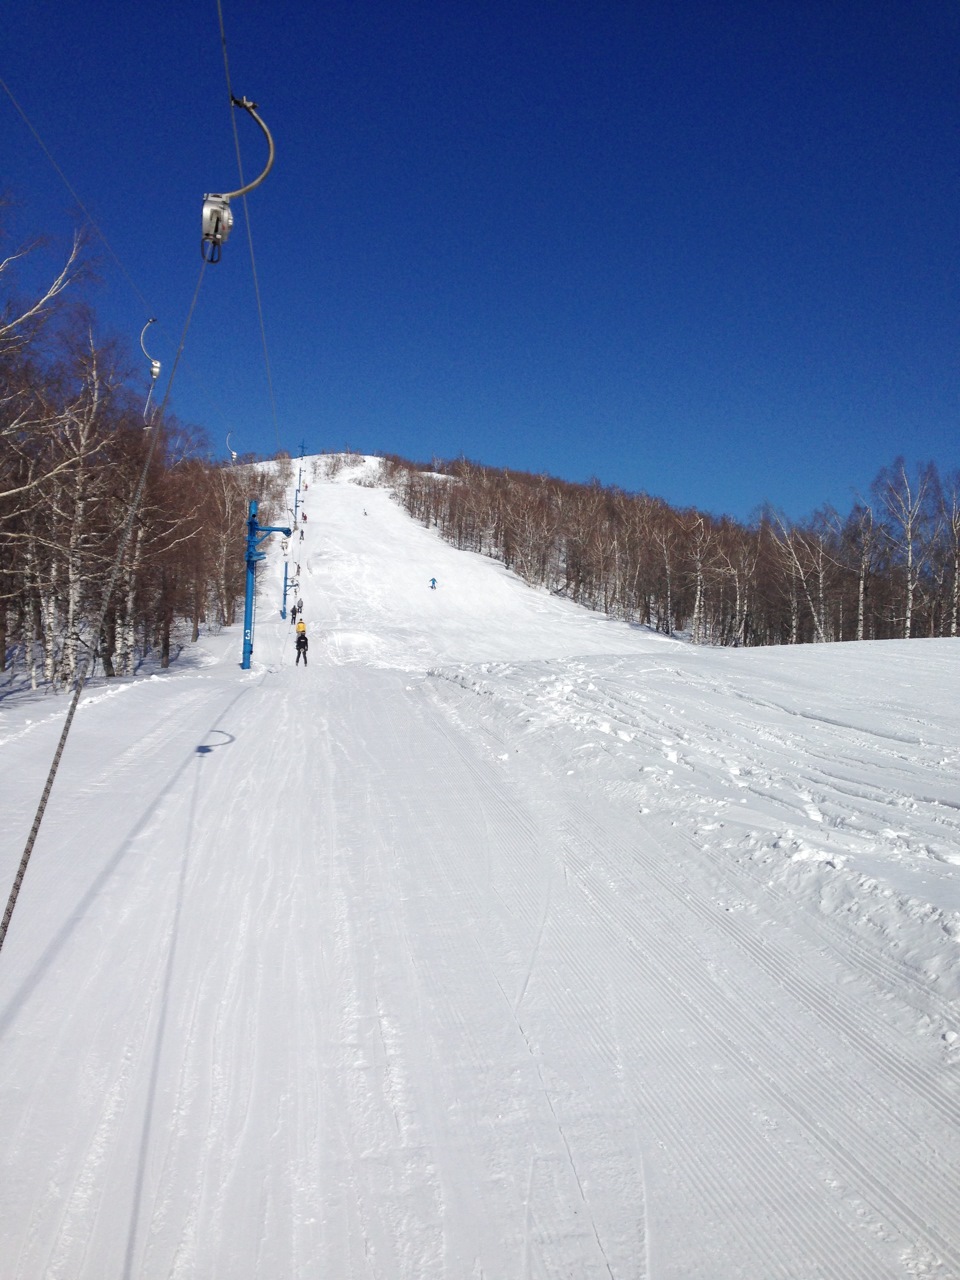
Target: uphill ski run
{"type": "Point", "coordinates": [502, 940]}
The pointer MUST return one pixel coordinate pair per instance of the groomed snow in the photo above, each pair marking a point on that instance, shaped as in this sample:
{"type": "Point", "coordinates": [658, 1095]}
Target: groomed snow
{"type": "Point", "coordinates": [504, 940]}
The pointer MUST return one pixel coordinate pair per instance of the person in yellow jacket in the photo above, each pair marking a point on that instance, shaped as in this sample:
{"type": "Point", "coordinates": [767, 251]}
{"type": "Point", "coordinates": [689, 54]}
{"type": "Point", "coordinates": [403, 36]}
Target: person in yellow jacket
{"type": "Point", "coordinates": [301, 642]}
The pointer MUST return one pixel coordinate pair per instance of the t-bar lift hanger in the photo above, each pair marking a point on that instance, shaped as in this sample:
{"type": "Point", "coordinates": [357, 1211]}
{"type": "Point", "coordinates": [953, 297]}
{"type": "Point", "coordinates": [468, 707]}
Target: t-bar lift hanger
{"type": "Point", "coordinates": [154, 368]}
{"type": "Point", "coordinates": [217, 214]}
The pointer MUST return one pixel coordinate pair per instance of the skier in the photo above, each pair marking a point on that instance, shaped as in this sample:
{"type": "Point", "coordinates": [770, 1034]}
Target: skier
{"type": "Point", "coordinates": [433, 584]}
{"type": "Point", "coordinates": [301, 627]}
{"type": "Point", "coordinates": [301, 647]}
{"type": "Point", "coordinates": [301, 535]}
{"type": "Point", "coordinates": [293, 615]}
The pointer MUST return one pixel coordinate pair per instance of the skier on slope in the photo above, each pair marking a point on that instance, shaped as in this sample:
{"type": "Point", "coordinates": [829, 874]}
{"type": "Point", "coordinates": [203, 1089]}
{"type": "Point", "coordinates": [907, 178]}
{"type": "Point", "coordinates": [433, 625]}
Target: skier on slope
{"type": "Point", "coordinates": [302, 644]}
{"type": "Point", "coordinates": [433, 584]}
{"type": "Point", "coordinates": [301, 626]}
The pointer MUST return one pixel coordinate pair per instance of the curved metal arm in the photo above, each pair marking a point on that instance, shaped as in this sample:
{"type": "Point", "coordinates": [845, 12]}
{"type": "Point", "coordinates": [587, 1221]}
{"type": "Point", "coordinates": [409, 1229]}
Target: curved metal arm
{"type": "Point", "coordinates": [154, 364]}
{"type": "Point", "coordinates": [152, 320]}
{"type": "Point", "coordinates": [251, 109]}
{"type": "Point", "coordinates": [154, 372]}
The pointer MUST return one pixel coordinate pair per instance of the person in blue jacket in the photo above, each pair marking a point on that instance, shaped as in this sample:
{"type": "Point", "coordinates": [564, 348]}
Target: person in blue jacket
{"type": "Point", "coordinates": [433, 584]}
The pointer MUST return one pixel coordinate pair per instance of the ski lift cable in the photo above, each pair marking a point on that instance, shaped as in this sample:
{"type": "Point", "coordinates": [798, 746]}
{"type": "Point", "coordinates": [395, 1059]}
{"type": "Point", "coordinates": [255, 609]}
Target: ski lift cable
{"type": "Point", "coordinates": [201, 385]}
{"type": "Point", "coordinates": [104, 606]}
{"type": "Point", "coordinates": [66, 182]}
{"type": "Point", "coordinates": [244, 188]}
{"type": "Point", "coordinates": [263, 331]}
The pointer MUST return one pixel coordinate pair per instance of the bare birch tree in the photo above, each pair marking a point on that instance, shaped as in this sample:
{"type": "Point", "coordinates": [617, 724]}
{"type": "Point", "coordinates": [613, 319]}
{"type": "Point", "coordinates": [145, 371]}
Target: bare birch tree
{"type": "Point", "coordinates": [907, 503]}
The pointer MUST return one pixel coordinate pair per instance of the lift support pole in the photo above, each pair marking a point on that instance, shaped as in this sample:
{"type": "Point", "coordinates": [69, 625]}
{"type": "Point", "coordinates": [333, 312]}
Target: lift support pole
{"type": "Point", "coordinates": [256, 534]}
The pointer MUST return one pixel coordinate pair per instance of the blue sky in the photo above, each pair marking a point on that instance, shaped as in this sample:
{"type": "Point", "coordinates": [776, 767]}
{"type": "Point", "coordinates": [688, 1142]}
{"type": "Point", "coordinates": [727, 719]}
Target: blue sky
{"type": "Point", "coordinates": [707, 250]}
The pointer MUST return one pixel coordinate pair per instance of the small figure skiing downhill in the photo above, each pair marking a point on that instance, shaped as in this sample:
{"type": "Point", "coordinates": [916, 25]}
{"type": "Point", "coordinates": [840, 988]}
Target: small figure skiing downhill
{"type": "Point", "coordinates": [433, 584]}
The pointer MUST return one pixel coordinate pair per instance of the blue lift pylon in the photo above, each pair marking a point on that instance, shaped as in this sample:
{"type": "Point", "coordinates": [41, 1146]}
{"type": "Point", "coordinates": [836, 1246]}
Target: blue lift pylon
{"type": "Point", "coordinates": [256, 534]}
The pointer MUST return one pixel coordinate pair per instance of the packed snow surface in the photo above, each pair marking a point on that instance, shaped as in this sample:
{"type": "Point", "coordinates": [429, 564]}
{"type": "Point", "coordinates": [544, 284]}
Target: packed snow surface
{"type": "Point", "coordinates": [503, 940]}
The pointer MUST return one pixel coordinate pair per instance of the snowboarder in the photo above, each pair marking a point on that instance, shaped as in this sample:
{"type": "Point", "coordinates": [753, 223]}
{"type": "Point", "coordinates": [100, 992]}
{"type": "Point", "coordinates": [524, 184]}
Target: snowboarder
{"type": "Point", "coordinates": [433, 584]}
{"type": "Point", "coordinates": [302, 643]}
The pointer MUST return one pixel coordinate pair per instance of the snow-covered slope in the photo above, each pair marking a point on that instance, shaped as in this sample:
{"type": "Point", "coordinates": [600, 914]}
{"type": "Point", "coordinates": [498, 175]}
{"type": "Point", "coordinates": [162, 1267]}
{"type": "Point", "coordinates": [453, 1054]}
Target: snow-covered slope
{"type": "Point", "coordinates": [502, 941]}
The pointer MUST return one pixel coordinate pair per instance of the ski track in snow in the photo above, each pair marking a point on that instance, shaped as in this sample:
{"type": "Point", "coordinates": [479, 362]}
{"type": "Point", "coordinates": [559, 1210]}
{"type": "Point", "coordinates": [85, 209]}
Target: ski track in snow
{"type": "Point", "coordinates": [502, 941]}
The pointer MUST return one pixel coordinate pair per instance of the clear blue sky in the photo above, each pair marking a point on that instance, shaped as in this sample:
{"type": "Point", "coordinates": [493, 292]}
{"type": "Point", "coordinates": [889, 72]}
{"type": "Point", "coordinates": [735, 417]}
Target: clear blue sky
{"type": "Point", "coordinates": [703, 249]}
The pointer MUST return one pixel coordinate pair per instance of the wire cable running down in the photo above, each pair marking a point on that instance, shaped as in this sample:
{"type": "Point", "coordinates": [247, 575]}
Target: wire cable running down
{"type": "Point", "coordinates": [246, 218]}
{"type": "Point", "coordinates": [105, 604]}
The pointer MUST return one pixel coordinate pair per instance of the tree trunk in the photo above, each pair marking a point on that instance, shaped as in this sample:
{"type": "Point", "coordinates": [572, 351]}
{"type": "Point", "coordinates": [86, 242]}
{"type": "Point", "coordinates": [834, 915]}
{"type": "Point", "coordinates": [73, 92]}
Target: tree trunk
{"type": "Point", "coordinates": [165, 626]}
{"type": "Point", "coordinates": [108, 643]}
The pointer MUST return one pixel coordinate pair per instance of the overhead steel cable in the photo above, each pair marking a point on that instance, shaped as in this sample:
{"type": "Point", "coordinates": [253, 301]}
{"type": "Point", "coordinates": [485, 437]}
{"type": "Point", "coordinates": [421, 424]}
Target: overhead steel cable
{"type": "Point", "coordinates": [66, 182]}
{"type": "Point", "coordinates": [246, 217]}
{"type": "Point", "coordinates": [196, 383]}
{"type": "Point", "coordinates": [105, 605]}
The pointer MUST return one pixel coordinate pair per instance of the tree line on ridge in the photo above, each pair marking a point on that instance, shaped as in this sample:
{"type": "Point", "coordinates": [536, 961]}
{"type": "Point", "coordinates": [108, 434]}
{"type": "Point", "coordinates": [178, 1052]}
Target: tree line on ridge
{"type": "Point", "coordinates": [889, 568]}
{"type": "Point", "coordinates": [73, 439]}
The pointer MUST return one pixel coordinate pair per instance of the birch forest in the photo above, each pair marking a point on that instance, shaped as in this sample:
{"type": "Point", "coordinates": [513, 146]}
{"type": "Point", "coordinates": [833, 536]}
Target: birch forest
{"type": "Point", "coordinates": [73, 440]}
{"type": "Point", "coordinates": [886, 569]}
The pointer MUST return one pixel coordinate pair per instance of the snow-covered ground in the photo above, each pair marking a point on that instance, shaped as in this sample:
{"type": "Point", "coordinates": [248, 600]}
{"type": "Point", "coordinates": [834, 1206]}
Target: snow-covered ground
{"type": "Point", "coordinates": [502, 941]}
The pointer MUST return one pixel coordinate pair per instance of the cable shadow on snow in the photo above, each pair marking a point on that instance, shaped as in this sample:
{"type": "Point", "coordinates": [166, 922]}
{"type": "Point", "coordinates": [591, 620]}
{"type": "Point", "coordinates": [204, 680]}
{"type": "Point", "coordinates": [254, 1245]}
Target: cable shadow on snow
{"type": "Point", "coordinates": [57, 943]}
{"type": "Point", "coordinates": [200, 752]}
